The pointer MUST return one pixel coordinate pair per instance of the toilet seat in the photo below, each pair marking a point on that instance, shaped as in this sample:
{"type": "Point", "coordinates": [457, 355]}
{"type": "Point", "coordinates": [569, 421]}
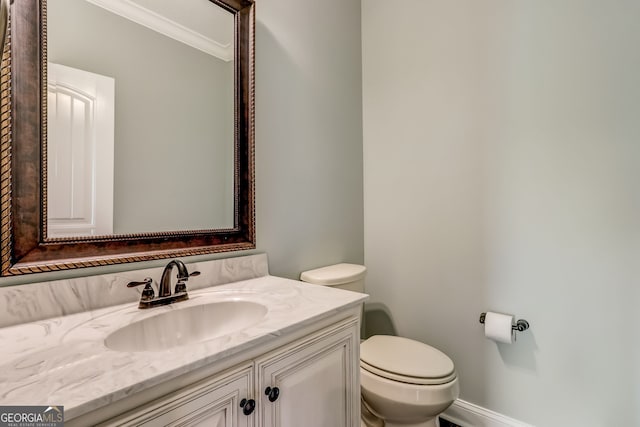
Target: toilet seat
{"type": "Point", "coordinates": [405, 379]}
{"type": "Point", "coordinates": [405, 360]}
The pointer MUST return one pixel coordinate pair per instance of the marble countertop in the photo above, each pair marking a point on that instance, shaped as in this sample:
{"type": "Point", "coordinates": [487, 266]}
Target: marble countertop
{"type": "Point", "coordinates": [64, 360]}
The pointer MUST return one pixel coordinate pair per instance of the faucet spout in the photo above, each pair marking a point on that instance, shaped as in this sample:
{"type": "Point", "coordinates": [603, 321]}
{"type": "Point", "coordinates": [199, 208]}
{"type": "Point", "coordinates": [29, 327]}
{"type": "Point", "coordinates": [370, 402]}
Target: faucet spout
{"type": "Point", "coordinates": [164, 289]}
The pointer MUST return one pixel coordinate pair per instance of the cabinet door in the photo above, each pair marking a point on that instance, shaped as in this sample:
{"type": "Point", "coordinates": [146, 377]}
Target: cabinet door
{"type": "Point", "coordinates": [317, 381]}
{"type": "Point", "coordinates": [214, 402]}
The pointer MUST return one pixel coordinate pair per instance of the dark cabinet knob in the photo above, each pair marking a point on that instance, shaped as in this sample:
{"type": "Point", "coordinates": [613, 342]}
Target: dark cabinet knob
{"type": "Point", "coordinates": [272, 393]}
{"type": "Point", "coordinates": [248, 406]}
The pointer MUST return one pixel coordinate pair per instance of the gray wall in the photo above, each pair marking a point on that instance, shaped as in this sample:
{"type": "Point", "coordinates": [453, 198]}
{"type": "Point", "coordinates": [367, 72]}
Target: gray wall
{"type": "Point", "coordinates": [502, 173]}
{"type": "Point", "coordinates": [308, 139]}
{"type": "Point", "coordinates": [309, 133]}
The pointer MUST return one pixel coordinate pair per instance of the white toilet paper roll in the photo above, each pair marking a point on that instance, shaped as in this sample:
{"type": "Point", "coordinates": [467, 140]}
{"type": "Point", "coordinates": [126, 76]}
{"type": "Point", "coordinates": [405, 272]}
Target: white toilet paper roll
{"type": "Point", "coordinates": [497, 327]}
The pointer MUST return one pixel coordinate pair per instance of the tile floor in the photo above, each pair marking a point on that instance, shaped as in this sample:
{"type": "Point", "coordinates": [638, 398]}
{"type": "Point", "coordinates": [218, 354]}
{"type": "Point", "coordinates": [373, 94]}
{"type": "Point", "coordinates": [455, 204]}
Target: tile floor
{"type": "Point", "coordinates": [446, 423]}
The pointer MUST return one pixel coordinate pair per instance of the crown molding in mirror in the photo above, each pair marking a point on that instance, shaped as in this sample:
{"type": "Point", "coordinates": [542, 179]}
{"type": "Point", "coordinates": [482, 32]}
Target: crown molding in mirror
{"type": "Point", "coordinates": [163, 25]}
{"type": "Point", "coordinates": [23, 128]}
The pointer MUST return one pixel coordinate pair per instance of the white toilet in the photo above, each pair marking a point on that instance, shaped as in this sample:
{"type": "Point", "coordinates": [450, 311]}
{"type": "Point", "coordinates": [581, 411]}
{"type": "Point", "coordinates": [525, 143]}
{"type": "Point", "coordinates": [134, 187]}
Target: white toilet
{"type": "Point", "coordinates": [403, 382]}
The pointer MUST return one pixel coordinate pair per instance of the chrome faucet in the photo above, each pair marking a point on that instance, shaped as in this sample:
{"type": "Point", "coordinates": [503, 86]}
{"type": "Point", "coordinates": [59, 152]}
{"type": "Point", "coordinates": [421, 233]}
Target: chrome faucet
{"type": "Point", "coordinates": [148, 298]}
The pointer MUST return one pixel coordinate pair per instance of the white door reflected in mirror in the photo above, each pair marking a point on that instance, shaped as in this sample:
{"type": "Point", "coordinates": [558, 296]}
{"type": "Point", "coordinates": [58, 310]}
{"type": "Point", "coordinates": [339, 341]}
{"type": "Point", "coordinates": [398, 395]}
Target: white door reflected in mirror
{"type": "Point", "coordinates": [79, 152]}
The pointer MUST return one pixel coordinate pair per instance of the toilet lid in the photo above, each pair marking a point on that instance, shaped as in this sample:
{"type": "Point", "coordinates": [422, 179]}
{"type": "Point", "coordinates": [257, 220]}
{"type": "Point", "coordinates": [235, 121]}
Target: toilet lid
{"type": "Point", "coordinates": [402, 359]}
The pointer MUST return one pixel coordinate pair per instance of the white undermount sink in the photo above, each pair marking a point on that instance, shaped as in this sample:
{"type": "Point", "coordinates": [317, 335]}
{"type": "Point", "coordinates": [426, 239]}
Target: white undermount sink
{"type": "Point", "coordinates": [182, 326]}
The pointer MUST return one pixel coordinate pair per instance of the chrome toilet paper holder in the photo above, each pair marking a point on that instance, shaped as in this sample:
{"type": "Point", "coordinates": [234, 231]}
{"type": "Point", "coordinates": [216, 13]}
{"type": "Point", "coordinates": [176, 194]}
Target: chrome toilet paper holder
{"type": "Point", "coordinates": [521, 324]}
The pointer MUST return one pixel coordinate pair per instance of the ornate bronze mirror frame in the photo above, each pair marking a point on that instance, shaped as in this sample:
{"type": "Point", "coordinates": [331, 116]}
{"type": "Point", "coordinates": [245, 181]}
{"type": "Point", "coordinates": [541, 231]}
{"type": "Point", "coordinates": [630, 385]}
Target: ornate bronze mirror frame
{"type": "Point", "coordinates": [25, 247]}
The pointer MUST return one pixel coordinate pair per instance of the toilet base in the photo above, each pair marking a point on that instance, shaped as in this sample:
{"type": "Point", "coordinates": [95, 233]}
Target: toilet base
{"type": "Point", "coordinates": [403, 404]}
{"type": "Point", "coordinates": [430, 423]}
{"type": "Point", "coordinates": [368, 419]}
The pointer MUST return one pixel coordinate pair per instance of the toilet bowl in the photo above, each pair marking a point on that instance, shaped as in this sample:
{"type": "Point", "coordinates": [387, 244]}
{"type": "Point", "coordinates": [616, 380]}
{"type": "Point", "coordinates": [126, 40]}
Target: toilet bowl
{"type": "Point", "coordinates": [403, 382]}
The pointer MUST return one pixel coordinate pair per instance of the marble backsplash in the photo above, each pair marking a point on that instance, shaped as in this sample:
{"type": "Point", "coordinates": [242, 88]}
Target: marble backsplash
{"type": "Point", "coordinates": [43, 300]}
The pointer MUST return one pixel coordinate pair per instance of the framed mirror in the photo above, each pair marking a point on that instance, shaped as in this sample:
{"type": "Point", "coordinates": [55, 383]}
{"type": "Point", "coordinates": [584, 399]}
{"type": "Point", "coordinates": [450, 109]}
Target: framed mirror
{"type": "Point", "coordinates": [127, 132]}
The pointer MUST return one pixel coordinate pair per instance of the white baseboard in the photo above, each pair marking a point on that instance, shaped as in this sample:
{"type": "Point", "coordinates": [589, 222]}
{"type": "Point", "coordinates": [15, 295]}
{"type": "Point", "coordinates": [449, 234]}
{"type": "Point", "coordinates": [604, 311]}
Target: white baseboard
{"type": "Point", "coordinates": [469, 415]}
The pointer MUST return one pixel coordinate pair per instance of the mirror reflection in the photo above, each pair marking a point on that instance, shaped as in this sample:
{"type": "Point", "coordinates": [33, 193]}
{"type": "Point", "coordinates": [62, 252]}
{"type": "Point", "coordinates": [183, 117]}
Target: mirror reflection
{"type": "Point", "coordinates": [140, 117]}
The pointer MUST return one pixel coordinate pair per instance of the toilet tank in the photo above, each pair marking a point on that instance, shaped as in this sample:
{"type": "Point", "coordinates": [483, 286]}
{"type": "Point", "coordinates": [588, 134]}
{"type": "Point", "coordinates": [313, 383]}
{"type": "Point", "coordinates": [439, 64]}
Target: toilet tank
{"type": "Point", "coordinates": [342, 276]}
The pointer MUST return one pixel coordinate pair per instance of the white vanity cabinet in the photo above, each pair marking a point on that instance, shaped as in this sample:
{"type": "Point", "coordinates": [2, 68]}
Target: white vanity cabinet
{"type": "Point", "coordinates": [311, 382]}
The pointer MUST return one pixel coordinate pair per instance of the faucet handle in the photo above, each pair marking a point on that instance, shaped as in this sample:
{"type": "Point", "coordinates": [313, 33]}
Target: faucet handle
{"type": "Point", "coordinates": [181, 286]}
{"type": "Point", "coordinates": [146, 281]}
{"type": "Point", "coordinates": [147, 292]}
